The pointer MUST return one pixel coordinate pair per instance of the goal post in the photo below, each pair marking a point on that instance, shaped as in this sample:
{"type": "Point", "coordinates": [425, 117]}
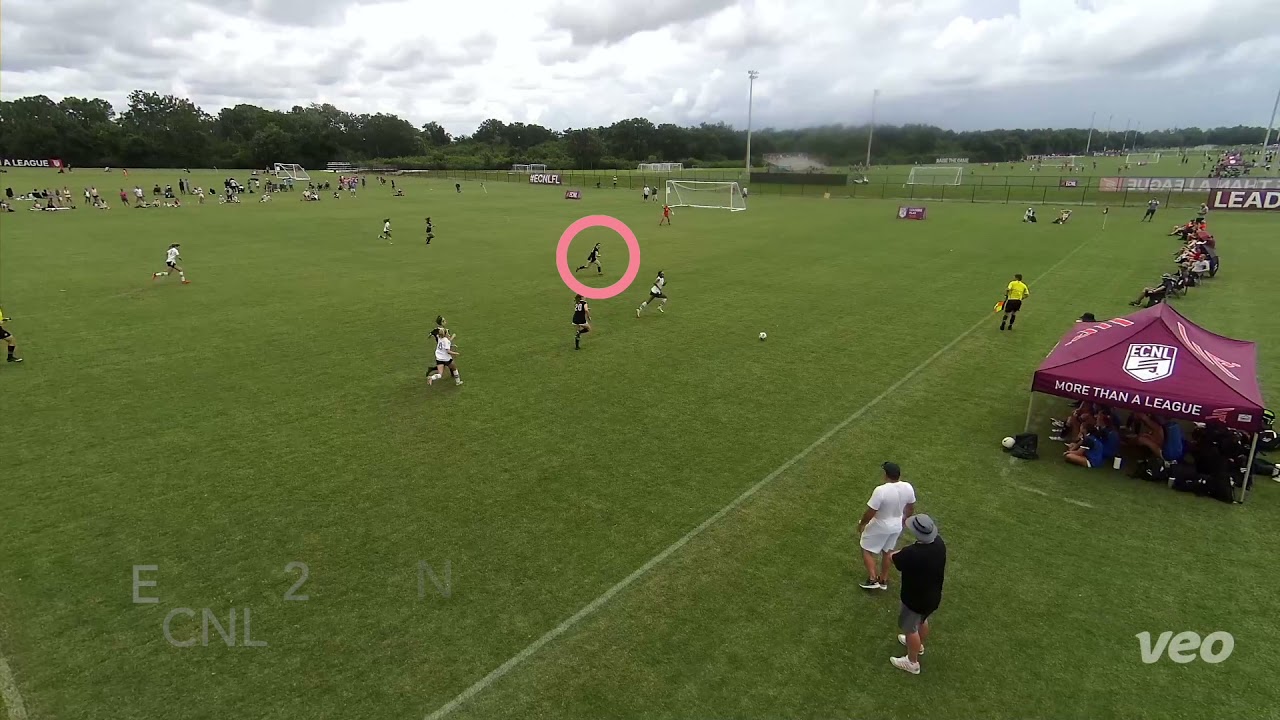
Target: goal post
{"type": "Point", "coordinates": [290, 171]}
{"type": "Point", "coordinates": [1148, 158]}
{"type": "Point", "coordinates": [530, 168]}
{"type": "Point", "coordinates": [662, 167]}
{"type": "Point", "coordinates": [935, 175]}
{"type": "Point", "coordinates": [707, 194]}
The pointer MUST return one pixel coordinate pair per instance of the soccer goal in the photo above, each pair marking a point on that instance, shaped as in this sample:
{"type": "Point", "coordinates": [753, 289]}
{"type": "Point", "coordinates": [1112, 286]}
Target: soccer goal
{"type": "Point", "coordinates": [531, 168]}
{"type": "Point", "coordinates": [1147, 158]}
{"type": "Point", "coordinates": [935, 175]}
{"type": "Point", "coordinates": [1061, 161]}
{"type": "Point", "coordinates": [705, 194]}
{"type": "Point", "coordinates": [290, 171]}
{"type": "Point", "coordinates": [662, 167]}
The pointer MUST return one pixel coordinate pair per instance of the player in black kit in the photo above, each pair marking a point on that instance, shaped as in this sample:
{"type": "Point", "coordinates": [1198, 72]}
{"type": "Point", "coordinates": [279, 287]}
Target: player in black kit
{"type": "Point", "coordinates": [430, 231]}
{"type": "Point", "coordinates": [581, 320]}
{"type": "Point", "coordinates": [593, 259]}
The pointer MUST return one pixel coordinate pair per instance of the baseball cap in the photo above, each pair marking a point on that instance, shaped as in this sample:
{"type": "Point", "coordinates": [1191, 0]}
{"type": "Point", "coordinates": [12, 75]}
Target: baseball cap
{"type": "Point", "coordinates": [923, 527]}
{"type": "Point", "coordinates": [1087, 317]}
{"type": "Point", "coordinates": [891, 470]}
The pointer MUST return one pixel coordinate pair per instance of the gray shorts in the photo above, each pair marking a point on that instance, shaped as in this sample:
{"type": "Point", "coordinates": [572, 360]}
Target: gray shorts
{"type": "Point", "coordinates": [909, 620]}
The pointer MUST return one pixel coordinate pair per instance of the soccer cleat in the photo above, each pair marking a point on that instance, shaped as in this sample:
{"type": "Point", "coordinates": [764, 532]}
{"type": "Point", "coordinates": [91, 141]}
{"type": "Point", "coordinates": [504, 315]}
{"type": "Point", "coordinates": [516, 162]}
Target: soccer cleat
{"type": "Point", "coordinates": [637, 312]}
{"type": "Point", "coordinates": [14, 359]}
{"type": "Point", "coordinates": [870, 584]}
{"type": "Point", "coordinates": [904, 663]}
{"type": "Point", "coordinates": [186, 282]}
{"type": "Point", "coordinates": [457, 382]}
{"type": "Point", "coordinates": [903, 639]}
{"type": "Point", "coordinates": [661, 310]}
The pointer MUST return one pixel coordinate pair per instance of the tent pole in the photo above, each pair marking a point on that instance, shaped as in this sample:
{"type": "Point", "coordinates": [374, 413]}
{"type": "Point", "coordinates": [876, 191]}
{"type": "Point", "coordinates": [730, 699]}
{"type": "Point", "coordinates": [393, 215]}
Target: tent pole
{"type": "Point", "coordinates": [1031, 401]}
{"type": "Point", "coordinates": [1248, 468]}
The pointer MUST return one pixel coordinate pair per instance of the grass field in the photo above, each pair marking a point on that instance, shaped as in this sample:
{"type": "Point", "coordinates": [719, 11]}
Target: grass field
{"type": "Point", "coordinates": [274, 411]}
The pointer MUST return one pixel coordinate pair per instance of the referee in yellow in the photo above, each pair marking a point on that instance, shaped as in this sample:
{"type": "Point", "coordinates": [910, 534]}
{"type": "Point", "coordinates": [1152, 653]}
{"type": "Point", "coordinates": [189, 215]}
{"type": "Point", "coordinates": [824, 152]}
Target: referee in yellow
{"type": "Point", "coordinates": [1013, 297]}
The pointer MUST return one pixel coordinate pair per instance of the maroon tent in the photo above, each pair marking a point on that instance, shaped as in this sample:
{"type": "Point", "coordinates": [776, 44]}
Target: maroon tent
{"type": "Point", "coordinates": [1159, 362]}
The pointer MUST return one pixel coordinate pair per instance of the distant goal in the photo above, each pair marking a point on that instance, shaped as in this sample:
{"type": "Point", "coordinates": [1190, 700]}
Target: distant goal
{"type": "Point", "coordinates": [290, 171]}
{"type": "Point", "coordinates": [707, 194]}
{"type": "Point", "coordinates": [530, 168]}
{"type": "Point", "coordinates": [1062, 161]}
{"type": "Point", "coordinates": [935, 175]}
{"type": "Point", "coordinates": [661, 167]}
{"type": "Point", "coordinates": [1142, 158]}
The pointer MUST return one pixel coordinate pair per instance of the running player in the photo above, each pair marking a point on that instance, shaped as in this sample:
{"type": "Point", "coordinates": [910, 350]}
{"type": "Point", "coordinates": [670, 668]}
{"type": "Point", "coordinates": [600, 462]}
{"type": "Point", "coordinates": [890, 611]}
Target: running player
{"type": "Point", "coordinates": [171, 258]}
{"type": "Point", "coordinates": [7, 337]}
{"type": "Point", "coordinates": [581, 320]}
{"type": "Point", "coordinates": [386, 231]}
{"type": "Point", "coordinates": [1013, 297]}
{"type": "Point", "coordinates": [431, 235]}
{"type": "Point", "coordinates": [444, 355]}
{"type": "Point", "coordinates": [593, 259]}
{"type": "Point", "coordinates": [666, 215]}
{"type": "Point", "coordinates": [655, 293]}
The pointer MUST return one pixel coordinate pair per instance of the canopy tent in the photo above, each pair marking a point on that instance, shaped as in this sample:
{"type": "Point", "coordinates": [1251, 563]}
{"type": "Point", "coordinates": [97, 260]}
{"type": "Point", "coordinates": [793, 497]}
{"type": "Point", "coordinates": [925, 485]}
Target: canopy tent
{"type": "Point", "coordinates": [1159, 362]}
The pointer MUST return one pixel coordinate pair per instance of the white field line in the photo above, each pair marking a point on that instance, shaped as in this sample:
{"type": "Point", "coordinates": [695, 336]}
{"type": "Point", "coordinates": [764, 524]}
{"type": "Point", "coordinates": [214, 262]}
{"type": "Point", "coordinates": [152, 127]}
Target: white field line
{"type": "Point", "coordinates": [506, 667]}
{"type": "Point", "coordinates": [9, 692]}
{"type": "Point", "coordinates": [1005, 474]}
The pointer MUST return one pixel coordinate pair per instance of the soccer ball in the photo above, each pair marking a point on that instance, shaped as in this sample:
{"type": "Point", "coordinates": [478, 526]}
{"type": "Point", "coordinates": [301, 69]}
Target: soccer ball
{"type": "Point", "coordinates": [1007, 443]}
{"type": "Point", "coordinates": [764, 336]}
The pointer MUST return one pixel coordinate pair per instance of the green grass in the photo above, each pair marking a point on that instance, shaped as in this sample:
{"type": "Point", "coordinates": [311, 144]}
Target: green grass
{"type": "Point", "coordinates": [275, 411]}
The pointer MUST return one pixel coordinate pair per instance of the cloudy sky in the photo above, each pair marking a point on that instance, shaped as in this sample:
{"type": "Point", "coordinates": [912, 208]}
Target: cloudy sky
{"type": "Point", "coordinates": [962, 64]}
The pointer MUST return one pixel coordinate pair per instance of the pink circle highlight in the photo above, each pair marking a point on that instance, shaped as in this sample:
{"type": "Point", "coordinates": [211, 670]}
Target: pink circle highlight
{"type": "Point", "coordinates": [633, 256]}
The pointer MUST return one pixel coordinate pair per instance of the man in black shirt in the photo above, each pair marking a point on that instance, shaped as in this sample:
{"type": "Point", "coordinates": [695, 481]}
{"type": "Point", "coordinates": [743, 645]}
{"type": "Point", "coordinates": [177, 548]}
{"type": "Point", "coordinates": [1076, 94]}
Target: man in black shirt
{"type": "Point", "coordinates": [922, 565]}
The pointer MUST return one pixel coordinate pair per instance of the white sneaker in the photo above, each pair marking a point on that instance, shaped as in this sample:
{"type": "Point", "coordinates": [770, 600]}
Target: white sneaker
{"type": "Point", "coordinates": [904, 663]}
{"type": "Point", "coordinates": [903, 640]}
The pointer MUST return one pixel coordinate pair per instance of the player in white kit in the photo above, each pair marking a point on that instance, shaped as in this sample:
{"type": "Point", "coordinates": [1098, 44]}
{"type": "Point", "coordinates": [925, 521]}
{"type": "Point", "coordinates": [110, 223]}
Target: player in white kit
{"type": "Point", "coordinates": [171, 257]}
{"type": "Point", "coordinates": [444, 359]}
{"type": "Point", "coordinates": [655, 293]}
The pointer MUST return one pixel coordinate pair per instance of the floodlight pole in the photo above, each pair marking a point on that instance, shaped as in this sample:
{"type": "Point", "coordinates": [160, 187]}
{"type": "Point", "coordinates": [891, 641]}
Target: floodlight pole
{"type": "Point", "coordinates": [871, 133]}
{"type": "Point", "coordinates": [1089, 141]}
{"type": "Point", "coordinates": [1266, 139]}
{"type": "Point", "coordinates": [751, 92]}
{"type": "Point", "coordinates": [1136, 130]}
{"type": "Point", "coordinates": [1124, 142]}
{"type": "Point", "coordinates": [1106, 146]}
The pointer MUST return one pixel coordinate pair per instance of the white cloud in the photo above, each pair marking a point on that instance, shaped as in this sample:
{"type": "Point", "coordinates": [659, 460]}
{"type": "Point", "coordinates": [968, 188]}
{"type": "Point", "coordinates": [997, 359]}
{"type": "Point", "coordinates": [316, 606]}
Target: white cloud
{"type": "Point", "coordinates": [576, 63]}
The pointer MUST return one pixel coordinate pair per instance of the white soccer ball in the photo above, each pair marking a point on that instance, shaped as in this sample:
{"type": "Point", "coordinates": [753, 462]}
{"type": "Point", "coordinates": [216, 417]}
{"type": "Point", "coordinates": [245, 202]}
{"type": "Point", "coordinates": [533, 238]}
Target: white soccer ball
{"type": "Point", "coordinates": [1007, 443]}
{"type": "Point", "coordinates": [764, 336]}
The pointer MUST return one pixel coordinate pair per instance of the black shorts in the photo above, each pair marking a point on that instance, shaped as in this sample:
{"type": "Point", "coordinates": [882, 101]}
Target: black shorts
{"type": "Point", "coordinates": [1012, 306]}
{"type": "Point", "coordinates": [5, 334]}
{"type": "Point", "coordinates": [171, 264]}
{"type": "Point", "coordinates": [654, 296]}
{"type": "Point", "coordinates": [447, 363]}
{"type": "Point", "coordinates": [579, 319]}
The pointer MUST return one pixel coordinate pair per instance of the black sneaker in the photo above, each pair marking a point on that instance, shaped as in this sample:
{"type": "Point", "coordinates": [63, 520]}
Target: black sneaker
{"type": "Point", "coordinates": [871, 584]}
{"type": "Point", "coordinates": [14, 359]}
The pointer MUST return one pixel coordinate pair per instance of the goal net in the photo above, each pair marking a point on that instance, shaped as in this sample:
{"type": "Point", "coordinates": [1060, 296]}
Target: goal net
{"type": "Point", "coordinates": [705, 194]}
{"type": "Point", "coordinates": [290, 171]}
{"type": "Point", "coordinates": [1060, 161]}
{"type": "Point", "coordinates": [662, 167]}
{"type": "Point", "coordinates": [935, 175]}
{"type": "Point", "coordinates": [531, 168]}
{"type": "Point", "coordinates": [1145, 158]}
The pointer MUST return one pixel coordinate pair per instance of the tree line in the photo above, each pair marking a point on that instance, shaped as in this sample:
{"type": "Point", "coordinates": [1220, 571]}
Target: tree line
{"type": "Point", "coordinates": [158, 130]}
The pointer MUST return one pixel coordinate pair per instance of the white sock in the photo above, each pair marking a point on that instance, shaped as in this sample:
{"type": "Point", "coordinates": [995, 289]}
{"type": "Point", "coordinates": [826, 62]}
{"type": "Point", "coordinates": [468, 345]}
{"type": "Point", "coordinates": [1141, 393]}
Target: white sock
{"type": "Point", "coordinates": [644, 304]}
{"type": "Point", "coordinates": [182, 275]}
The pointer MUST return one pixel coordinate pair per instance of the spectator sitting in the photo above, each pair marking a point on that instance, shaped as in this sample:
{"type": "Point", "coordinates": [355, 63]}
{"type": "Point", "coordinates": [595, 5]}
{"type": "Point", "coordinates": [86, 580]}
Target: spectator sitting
{"type": "Point", "coordinates": [1090, 452]}
{"type": "Point", "coordinates": [1152, 295]}
{"type": "Point", "coordinates": [1162, 436]}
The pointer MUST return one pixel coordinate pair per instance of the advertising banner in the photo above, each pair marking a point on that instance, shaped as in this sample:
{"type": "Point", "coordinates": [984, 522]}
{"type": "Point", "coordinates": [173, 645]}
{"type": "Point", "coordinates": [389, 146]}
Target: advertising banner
{"type": "Point", "coordinates": [28, 162]}
{"type": "Point", "coordinates": [910, 213]}
{"type": "Point", "coordinates": [544, 179]}
{"type": "Point", "coordinates": [1168, 184]}
{"type": "Point", "coordinates": [951, 161]}
{"type": "Point", "coordinates": [1257, 199]}
{"type": "Point", "coordinates": [1068, 183]}
{"type": "Point", "coordinates": [572, 194]}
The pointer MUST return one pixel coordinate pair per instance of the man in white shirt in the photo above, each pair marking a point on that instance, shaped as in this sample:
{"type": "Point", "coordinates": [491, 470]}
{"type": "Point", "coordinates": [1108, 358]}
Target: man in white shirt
{"type": "Point", "coordinates": [891, 503]}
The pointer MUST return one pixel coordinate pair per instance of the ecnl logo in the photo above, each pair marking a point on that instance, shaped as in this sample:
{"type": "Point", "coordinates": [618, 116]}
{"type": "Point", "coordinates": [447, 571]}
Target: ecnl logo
{"type": "Point", "coordinates": [1186, 646]}
{"type": "Point", "coordinates": [1148, 363]}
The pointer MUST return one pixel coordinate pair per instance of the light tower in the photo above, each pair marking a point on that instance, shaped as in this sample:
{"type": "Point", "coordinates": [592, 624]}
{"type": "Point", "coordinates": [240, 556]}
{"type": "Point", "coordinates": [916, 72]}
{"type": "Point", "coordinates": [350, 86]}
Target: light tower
{"type": "Point", "coordinates": [751, 90]}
